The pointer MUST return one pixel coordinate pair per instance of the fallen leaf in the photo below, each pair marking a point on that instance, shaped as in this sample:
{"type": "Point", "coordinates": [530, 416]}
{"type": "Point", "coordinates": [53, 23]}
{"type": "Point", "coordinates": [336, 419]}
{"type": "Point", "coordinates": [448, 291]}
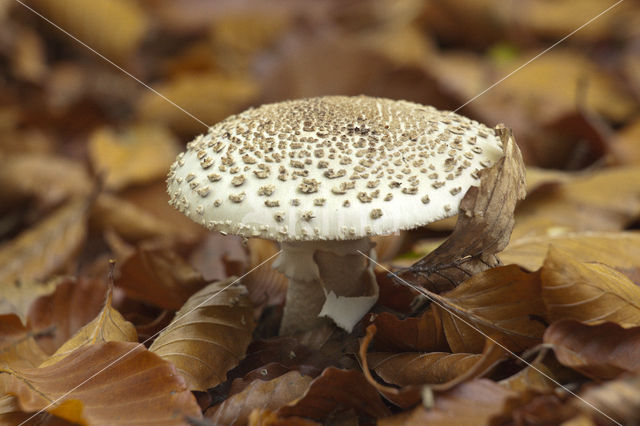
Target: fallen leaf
{"type": "Point", "coordinates": [485, 221]}
{"type": "Point", "coordinates": [618, 399]}
{"type": "Point", "coordinates": [337, 390]}
{"type": "Point", "coordinates": [410, 394]}
{"type": "Point", "coordinates": [51, 179]}
{"type": "Point", "coordinates": [608, 200]}
{"type": "Point", "coordinates": [137, 155]}
{"type": "Point", "coordinates": [219, 256]}
{"type": "Point", "coordinates": [625, 144]}
{"type": "Point", "coordinates": [413, 334]}
{"type": "Point", "coordinates": [589, 292]}
{"type": "Point", "coordinates": [208, 96]}
{"type": "Point", "coordinates": [107, 383]}
{"type": "Point", "coordinates": [94, 25]}
{"type": "Point", "coordinates": [415, 368]}
{"type": "Point", "coordinates": [270, 395]}
{"type": "Point", "coordinates": [74, 303]}
{"type": "Point", "coordinates": [158, 275]}
{"type": "Point", "coordinates": [620, 250]}
{"type": "Point", "coordinates": [601, 351]}
{"type": "Point", "coordinates": [18, 347]}
{"type": "Point", "coordinates": [267, 287]}
{"type": "Point", "coordinates": [503, 302]}
{"type": "Point", "coordinates": [209, 334]}
{"type": "Point", "coordinates": [261, 417]}
{"type": "Point", "coordinates": [479, 402]}
{"type": "Point", "coordinates": [16, 297]}
{"type": "Point", "coordinates": [108, 326]}
{"type": "Point", "coordinates": [47, 247]}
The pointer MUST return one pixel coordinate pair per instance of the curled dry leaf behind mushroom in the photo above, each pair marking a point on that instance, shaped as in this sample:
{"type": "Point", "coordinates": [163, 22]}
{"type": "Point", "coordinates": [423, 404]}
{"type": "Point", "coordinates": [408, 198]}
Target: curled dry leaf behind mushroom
{"type": "Point", "coordinates": [321, 176]}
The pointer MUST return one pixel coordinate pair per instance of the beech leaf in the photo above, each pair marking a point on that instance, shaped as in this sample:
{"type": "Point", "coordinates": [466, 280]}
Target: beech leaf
{"type": "Point", "coordinates": [598, 351]}
{"type": "Point", "coordinates": [485, 222]}
{"type": "Point", "coordinates": [589, 292]}
{"type": "Point", "coordinates": [108, 326]}
{"type": "Point", "coordinates": [209, 334]}
{"type": "Point", "coordinates": [270, 395]}
{"type": "Point", "coordinates": [131, 386]}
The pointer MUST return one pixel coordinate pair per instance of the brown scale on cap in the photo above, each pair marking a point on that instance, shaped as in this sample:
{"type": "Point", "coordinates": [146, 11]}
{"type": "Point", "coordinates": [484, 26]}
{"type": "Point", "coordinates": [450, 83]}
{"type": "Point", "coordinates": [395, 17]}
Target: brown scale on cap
{"type": "Point", "coordinates": [331, 152]}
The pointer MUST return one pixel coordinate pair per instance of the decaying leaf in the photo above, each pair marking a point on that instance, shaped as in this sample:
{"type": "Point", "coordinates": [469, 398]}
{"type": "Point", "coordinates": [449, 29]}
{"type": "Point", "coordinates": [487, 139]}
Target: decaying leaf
{"type": "Point", "coordinates": [94, 25]}
{"type": "Point", "coordinates": [266, 285]}
{"type": "Point", "coordinates": [618, 399]}
{"type": "Point", "coordinates": [108, 326]}
{"type": "Point", "coordinates": [209, 334]}
{"type": "Point", "coordinates": [337, 390]}
{"type": "Point", "coordinates": [620, 250]}
{"type": "Point", "coordinates": [415, 368]}
{"type": "Point", "coordinates": [605, 201]}
{"type": "Point", "coordinates": [601, 351]}
{"type": "Point", "coordinates": [503, 302]}
{"type": "Point", "coordinates": [409, 395]}
{"type": "Point", "coordinates": [477, 402]}
{"type": "Point", "coordinates": [209, 97]}
{"type": "Point", "coordinates": [16, 297]}
{"type": "Point", "coordinates": [140, 154]}
{"type": "Point", "coordinates": [158, 275]}
{"type": "Point", "coordinates": [270, 395]}
{"type": "Point", "coordinates": [589, 292]}
{"type": "Point", "coordinates": [18, 347]}
{"type": "Point", "coordinates": [142, 387]}
{"type": "Point", "coordinates": [536, 377]}
{"type": "Point", "coordinates": [47, 247]}
{"type": "Point", "coordinates": [74, 303]}
{"type": "Point", "coordinates": [485, 221]}
{"type": "Point", "coordinates": [419, 334]}
{"type": "Point", "coordinates": [49, 178]}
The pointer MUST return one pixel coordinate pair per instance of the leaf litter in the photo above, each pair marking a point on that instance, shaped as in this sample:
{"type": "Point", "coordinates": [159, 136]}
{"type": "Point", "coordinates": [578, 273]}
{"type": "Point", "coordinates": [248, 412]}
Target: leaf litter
{"type": "Point", "coordinates": [84, 152]}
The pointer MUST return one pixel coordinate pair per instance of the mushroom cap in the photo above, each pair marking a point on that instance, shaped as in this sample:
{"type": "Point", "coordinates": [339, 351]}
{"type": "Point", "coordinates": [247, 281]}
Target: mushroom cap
{"type": "Point", "coordinates": [330, 168]}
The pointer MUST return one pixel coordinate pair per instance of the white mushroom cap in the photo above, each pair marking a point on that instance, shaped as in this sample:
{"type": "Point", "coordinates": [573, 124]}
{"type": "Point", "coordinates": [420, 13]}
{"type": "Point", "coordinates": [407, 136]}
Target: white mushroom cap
{"type": "Point", "coordinates": [330, 168]}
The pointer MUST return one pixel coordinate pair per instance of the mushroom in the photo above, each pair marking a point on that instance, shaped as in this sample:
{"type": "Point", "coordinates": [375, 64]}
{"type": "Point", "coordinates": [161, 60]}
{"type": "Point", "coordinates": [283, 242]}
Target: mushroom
{"type": "Point", "coordinates": [322, 175]}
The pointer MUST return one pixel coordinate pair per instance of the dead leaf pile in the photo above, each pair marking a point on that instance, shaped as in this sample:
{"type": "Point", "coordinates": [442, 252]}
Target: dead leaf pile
{"type": "Point", "coordinates": [523, 309]}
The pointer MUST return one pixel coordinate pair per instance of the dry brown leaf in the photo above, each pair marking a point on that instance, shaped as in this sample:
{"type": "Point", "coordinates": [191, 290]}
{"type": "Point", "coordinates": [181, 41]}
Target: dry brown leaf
{"type": "Point", "coordinates": [47, 247]}
{"type": "Point", "coordinates": [620, 250]}
{"type": "Point", "coordinates": [536, 377]}
{"type": "Point", "coordinates": [269, 418]}
{"type": "Point", "coordinates": [140, 388]}
{"type": "Point", "coordinates": [589, 292]}
{"type": "Point", "coordinates": [209, 97]}
{"type": "Point", "coordinates": [479, 402]}
{"type": "Point", "coordinates": [619, 399]}
{"type": "Point", "coordinates": [502, 302]}
{"type": "Point", "coordinates": [267, 287]}
{"type": "Point", "coordinates": [410, 395]}
{"type": "Point", "coordinates": [337, 390]}
{"type": "Point", "coordinates": [49, 178]}
{"type": "Point", "coordinates": [108, 326]}
{"type": "Point", "coordinates": [94, 25]}
{"type": "Point", "coordinates": [209, 334]}
{"type": "Point", "coordinates": [137, 155]}
{"type": "Point", "coordinates": [16, 297]}
{"type": "Point", "coordinates": [269, 395]}
{"type": "Point", "coordinates": [73, 304]}
{"type": "Point", "coordinates": [18, 347]}
{"type": "Point", "coordinates": [158, 275]}
{"type": "Point", "coordinates": [219, 256]}
{"type": "Point", "coordinates": [484, 224]}
{"type": "Point", "coordinates": [414, 334]}
{"type": "Point", "coordinates": [601, 351]}
{"type": "Point", "coordinates": [546, 93]}
{"type": "Point", "coordinates": [415, 368]}
{"type": "Point", "coordinates": [604, 201]}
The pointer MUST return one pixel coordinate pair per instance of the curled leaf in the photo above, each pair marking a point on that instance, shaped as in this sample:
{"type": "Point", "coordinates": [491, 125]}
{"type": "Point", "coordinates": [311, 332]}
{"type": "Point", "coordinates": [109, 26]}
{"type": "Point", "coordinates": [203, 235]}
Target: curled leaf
{"type": "Point", "coordinates": [484, 225]}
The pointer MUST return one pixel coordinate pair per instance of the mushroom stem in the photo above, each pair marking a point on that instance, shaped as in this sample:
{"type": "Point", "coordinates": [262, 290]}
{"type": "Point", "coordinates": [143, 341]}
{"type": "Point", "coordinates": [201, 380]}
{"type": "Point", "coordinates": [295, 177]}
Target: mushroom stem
{"type": "Point", "coordinates": [326, 278]}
